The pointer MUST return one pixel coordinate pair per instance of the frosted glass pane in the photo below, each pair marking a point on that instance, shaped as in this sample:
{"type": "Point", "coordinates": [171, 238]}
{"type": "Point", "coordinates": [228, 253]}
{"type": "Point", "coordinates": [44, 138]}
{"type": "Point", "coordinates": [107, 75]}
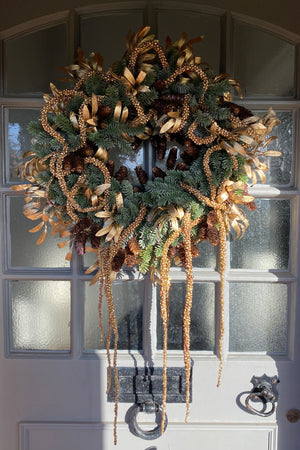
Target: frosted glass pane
{"type": "Point", "coordinates": [173, 23]}
{"type": "Point", "coordinates": [31, 61]}
{"type": "Point", "coordinates": [263, 62]}
{"type": "Point", "coordinates": [202, 317]}
{"type": "Point", "coordinates": [106, 34]}
{"type": "Point", "coordinates": [128, 300]}
{"type": "Point", "coordinates": [265, 244]}
{"type": "Point", "coordinates": [41, 314]}
{"type": "Point", "coordinates": [258, 317]}
{"type": "Point", "coordinates": [23, 248]}
{"type": "Point", "coordinates": [280, 171]}
{"type": "Point", "coordinates": [18, 138]}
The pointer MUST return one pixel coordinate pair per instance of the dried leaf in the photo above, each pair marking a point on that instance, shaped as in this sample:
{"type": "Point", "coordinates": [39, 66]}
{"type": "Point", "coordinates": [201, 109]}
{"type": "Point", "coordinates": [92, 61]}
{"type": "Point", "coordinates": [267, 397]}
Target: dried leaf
{"type": "Point", "coordinates": [42, 237]}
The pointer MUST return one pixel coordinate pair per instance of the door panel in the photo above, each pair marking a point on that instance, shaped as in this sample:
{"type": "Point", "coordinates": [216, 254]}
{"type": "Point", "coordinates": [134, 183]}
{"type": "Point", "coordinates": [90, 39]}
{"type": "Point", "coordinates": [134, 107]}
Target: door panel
{"type": "Point", "coordinates": [53, 368]}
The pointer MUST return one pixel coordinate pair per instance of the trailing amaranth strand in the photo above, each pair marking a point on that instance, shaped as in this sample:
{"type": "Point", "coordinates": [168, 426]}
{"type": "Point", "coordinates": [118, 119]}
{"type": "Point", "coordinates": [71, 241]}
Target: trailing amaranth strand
{"type": "Point", "coordinates": [211, 147]}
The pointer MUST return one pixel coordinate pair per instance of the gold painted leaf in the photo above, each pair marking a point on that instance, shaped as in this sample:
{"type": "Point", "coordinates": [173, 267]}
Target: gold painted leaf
{"type": "Point", "coordinates": [99, 191]}
{"type": "Point", "coordinates": [272, 153]}
{"type": "Point", "coordinates": [37, 228]}
{"type": "Point", "coordinates": [42, 237]}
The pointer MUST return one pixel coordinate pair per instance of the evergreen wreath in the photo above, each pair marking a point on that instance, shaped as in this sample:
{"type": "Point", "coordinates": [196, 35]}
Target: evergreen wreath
{"type": "Point", "coordinates": [211, 148]}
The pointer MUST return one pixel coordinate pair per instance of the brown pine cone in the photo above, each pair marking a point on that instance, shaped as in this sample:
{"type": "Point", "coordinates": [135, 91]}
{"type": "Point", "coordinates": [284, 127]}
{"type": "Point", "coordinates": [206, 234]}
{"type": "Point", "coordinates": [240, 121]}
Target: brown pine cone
{"type": "Point", "coordinates": [202, 233]}
{"type": "Point", "coordinates": [157, 172]}
{"type": "Point", "coordinates": [137, 189]}
{"type": "Point", "coordinates": [122, 173]}
{"type": "Point", "coordinates": [181, 166]}
{"type": "Point", "coordinates": [212, 218]}
{"type": "Point", "coordinates": [160, 85]}
{"type": "Point", "coordinates": [172, 157]}
{"type": "Point", "coordinates": [176, 99]}
{"type": "Point", "coordinates": [213, 235]}
{"type": "Point", "coordinates": [161, 149]}
{"type": "Point", "coordinates": [95, 240]}
{"type": "Point", "coordinates": [195, 251]}
{"type": "Point", "coordinates": [68, 162]}
{"type": "Point", "coordinates": [239, 111]}
{"type": "Point", "coordinates": [102, 125]}
{"type": "Point", "coordinates": [118, 260]}
{"type": "Point", "coordinates": [86, 151]}
{"type": "Point", "coordinates": [186, 158]}
{"type": "Point", "coordinates": [191, 149]}
{"type": "Point", "coordinates": [133, 246]}
{"type": "Point", "coordinates": [110, 167]}
{"type": "Point", "coordinates": [141, 174]}
{"type": "Point", "coordinates": [181, 254]}
{"type": "Point", "coordinates": [172, 252]}
{"type": "Point", "coordinates": [78, 163]}
{"type": "Point", "coordinates": [130, 259]}
{"type": "Point", "coordinates": [104, 111]}
{"type": "Point", "coordinates": [79, 243]}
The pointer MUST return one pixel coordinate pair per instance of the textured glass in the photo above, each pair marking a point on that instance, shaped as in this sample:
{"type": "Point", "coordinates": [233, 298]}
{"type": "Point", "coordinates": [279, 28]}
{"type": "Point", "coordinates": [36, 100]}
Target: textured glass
{"type": "Point", "coordinates": [202, 317]}
{"type": "Point", "coordinates": [173, 23]}
{"type": "Point", "coordinates": [41, 314]}
{"type": "Point", "coordinates": [265, 244]}
{"type": "Point", "coordinates": [31, 61]}
{"type": "Point", "coordinates": [23, 248]}
{"type": "Point", "coordinates": [280, 171]}
{"type": "Point", "coordinates": [258, 317]}
{"type": "Point", "coordinates": [96, 32]}
{"type": "Point", "coordinates": [128, 301]}
{"type": "Point", "coordinates": [18, 138]}
{"type": "Point", "coordinates": [263, 62]}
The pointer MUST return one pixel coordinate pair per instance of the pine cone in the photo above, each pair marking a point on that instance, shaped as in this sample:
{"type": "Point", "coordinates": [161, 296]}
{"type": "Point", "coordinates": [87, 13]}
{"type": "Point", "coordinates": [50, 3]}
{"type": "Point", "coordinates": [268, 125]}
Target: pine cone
{"type": "Point", "coordinates": [122, 173]}
{"type": "Point", "coordinates": [130, 259]}
{"type": "Point", "coordinates": [191, 149]}
{"type": "Point", "coordinates": [181, 254]}
{"type": "Point", "coordinates": [118, 260]}
{"type": "Point", "coordinates": [176, 99]}
{"type": "Point", "coordinates": [186, 158]}
{"type": "Point", "coordinates": [172, 252]}
{"type": "Point", "coordinates": [102, 125]}
{"type": "Point", "coordinates": [202, 233]}
{"type": "Point", "coordinates": [239, 111]}
{"type": "Point", "coordinates": [181, 166]}
{"type": "Point", "coordinates": [110, 167]}
{"type": "Point", "coordinates": [68, 162]}
{"type": "Point", "coordinates": [79, 243]}
{"type": "Point", "coordinates": [157, 172]}
{"type": "Point", "coordinates": [133, 246]}
{"type": "Point", "coordinates": [212, 218]}
{"type": "Point", "coordinates": [104, 111]}
{"type": "Point", "coordinates": [86, 151]}
{"type": "Point", "coordinates": [160, 85]}
{"type": "Point", "coordinates": [195, 251]}
{"type": "Point", "coordinates": [161, 149]}
{"type": "Point", "coordinates": [141, 174]}
{"type": "Point", "coordinates": [95, 240]}
{"type": "Point", "coordinates": [172, 157]}
{"type": "Point", "coordinates": [213, 235]}
{"type": "Point", "coordinates": [137, 189]}
{"type": "Point", "coordinates": [78, 163]}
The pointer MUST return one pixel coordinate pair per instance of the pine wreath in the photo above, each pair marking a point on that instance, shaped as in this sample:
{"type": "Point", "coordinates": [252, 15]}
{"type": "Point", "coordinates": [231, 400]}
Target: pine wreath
{"type": "Point", "coordinates": [211, 148]}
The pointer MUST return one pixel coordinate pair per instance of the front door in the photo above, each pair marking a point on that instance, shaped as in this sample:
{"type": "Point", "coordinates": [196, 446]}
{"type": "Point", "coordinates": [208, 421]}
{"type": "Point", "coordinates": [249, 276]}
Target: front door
{"type": "Point", "coordinates": [53, 370]}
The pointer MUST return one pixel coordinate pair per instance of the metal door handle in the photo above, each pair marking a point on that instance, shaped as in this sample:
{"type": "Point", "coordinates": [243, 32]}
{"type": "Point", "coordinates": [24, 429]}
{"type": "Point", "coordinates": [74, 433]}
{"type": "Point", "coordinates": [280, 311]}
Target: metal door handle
{"type": "Point", "coordinates": [264, 391]}
{"type": "Point", "coordinates": [149, 407]}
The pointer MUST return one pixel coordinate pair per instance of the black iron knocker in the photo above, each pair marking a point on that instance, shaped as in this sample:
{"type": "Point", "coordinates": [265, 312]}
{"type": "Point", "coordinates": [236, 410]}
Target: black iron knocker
{"type": "Point", "coordinates": [150, 407]}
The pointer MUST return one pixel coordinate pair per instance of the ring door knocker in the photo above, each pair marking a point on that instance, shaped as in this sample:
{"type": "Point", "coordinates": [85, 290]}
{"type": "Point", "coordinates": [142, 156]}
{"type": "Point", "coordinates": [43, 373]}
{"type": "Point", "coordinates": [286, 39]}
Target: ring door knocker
{"type": "Point", "coordinates": [264, 391]}
{"type": "Point", "coordinates": [149, 407]}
